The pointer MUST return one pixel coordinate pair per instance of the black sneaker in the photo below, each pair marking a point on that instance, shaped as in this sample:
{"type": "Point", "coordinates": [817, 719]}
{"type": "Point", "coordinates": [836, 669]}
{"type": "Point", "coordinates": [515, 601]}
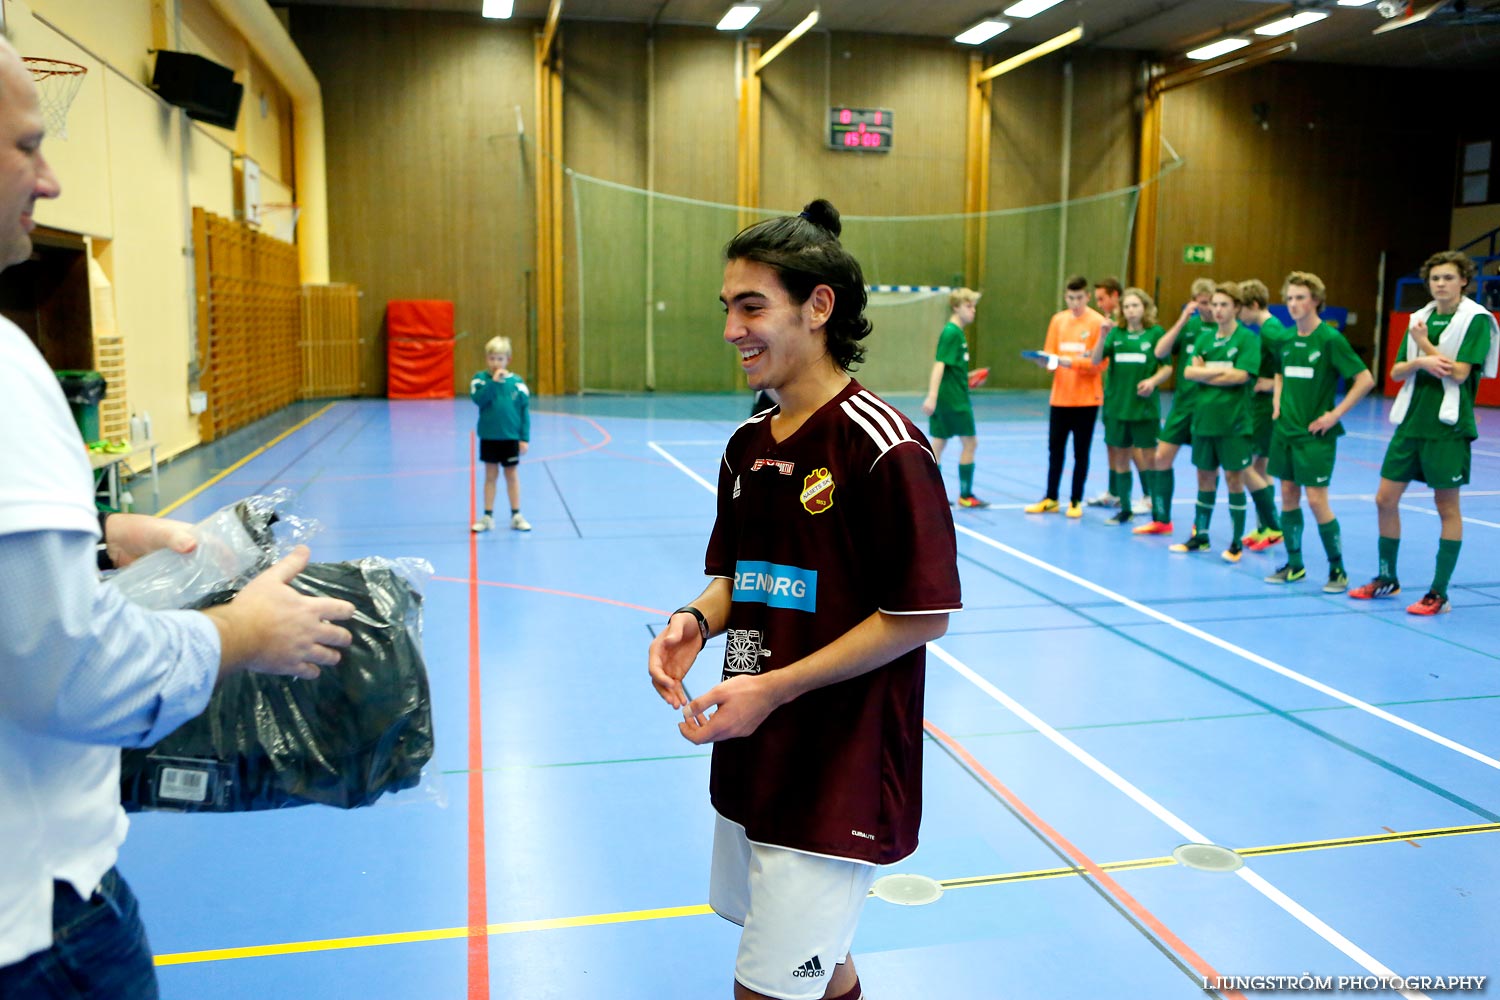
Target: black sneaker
{"type": "Point", "coordinates": [1195, 543]}
{"type": "Point", "coordinates": [1338, 581]}
{"type": "Point", "coordinates": [1287, 574]}
{"type": "Point", "coordinates": [1119, 518]}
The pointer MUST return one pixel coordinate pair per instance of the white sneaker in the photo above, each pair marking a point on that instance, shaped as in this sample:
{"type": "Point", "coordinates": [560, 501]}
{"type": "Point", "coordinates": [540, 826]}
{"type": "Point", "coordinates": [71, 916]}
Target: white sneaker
{"type": "Point", "coordinates": [1105, 499]}
{"type": "Point", "coordinates": [485, 523]}
{"type": "Point", "coordinates": [518, 522]}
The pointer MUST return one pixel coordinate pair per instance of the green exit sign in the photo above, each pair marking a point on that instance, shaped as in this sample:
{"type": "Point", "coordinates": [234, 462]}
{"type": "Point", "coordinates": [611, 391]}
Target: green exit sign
{"type": "Point", "coordinates": [1198, 253]}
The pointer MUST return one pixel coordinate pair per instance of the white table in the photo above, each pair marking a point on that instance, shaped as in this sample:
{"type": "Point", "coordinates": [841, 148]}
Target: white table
{"type": "Point", "coordinates": [106, 468]}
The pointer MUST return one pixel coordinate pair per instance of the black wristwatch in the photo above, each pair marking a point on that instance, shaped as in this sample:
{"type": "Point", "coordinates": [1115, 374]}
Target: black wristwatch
{"type": "Point", "coordinates": [103, 559]}
{"type": "Point", "coordinates": [702, 622]}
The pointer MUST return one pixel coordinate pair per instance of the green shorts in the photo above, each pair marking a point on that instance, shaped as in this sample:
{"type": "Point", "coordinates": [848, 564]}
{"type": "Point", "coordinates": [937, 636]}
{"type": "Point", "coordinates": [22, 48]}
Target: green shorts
{"type": "Point", "coordinates": [1179, 426]}
{"type": "Point", "coordinates": [1260, 437]}
{"type": "Point", "coordinates": [1305, 460]}
{"type": "Point", "coordinates": [1230, 452]}
{"type": "Point", "coordinates": [1131, 433]}
{"type": "Point", "coordinates": [946, 423]}
{"type": "Point", "coordinates": [1442, 463]}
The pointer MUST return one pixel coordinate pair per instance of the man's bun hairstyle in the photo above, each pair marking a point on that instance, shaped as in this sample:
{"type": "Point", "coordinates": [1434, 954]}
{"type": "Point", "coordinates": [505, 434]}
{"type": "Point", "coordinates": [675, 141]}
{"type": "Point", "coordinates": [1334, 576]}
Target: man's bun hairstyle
{"type": "Point", "coordinates": [805, 252]}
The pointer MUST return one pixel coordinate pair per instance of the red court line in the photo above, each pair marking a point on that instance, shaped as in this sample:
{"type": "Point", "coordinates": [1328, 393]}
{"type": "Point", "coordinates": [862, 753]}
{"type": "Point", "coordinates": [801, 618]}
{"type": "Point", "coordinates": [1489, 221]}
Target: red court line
{"type": "Point", "coordinates": [479, 942]}
{"type": "Point", "coordinates": [1145, 916]}
{"type": "Point", "coordinates": [547, 590]}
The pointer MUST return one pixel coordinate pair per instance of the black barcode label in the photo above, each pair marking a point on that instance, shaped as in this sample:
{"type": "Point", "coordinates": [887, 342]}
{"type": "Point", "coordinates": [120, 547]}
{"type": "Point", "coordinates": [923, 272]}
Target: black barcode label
{"type": "Point", "coordinates": [183, 784]}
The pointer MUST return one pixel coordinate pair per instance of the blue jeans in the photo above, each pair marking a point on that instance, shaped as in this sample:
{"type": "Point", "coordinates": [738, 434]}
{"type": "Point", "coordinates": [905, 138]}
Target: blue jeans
{"type": "Point", "coordinates": [99, 950]}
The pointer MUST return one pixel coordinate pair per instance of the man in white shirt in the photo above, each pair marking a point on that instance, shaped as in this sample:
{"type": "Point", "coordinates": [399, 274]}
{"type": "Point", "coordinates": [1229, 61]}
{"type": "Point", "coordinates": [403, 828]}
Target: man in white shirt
{"type": "Point", "coordinates": [82, 672]}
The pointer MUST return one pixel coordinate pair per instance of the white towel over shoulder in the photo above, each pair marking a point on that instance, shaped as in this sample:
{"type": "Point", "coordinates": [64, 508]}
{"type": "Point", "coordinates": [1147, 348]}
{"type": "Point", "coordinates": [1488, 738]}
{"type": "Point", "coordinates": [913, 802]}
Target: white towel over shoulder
{"type": "Point", "coordinates": [1451, 340]}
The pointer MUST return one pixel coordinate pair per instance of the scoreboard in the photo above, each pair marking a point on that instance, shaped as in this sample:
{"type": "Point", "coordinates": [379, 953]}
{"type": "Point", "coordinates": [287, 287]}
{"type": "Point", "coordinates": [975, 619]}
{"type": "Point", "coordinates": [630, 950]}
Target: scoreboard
{"type": "Point", "coordinates": [867, 130]}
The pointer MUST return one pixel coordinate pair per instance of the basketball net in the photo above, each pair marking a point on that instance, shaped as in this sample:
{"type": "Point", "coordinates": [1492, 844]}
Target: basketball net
{"type": "Point", "coordinates": [279, 220]}
{"type": "Point", "coordinates": [57, 83]}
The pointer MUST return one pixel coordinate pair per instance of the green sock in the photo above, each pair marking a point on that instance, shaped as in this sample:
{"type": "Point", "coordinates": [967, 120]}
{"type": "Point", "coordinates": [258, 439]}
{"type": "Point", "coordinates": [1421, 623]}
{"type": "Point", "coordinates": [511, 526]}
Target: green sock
{"type": "Point", "coordinates": [1203, 514]}
{"type": "Point", "coordinates": [1291, 533]}
{"type": "Point", "coordinates": [1236, 517]}
{"type": "Point", "coordinates": [1265, 509]}
{"type": "Point", "coordinates": [966, 480]}
{"type": "Point", "coordinates": [1447, 558]}
{"type": "Point", "coordinates": [1331, 544]}
{"type": "Point", "coordinates": [1119, 485]}
{"type": "Point", "coordinates": [1146, 483]}
{"type": "Point", "coordinates": [1161, 494]}
{"type": "Point", "coordinates": [1388, 547]}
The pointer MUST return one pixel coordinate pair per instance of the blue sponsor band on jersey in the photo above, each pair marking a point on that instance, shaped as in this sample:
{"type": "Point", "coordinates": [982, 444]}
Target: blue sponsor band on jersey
{"type": "Point", "coordinates": [776, 586]}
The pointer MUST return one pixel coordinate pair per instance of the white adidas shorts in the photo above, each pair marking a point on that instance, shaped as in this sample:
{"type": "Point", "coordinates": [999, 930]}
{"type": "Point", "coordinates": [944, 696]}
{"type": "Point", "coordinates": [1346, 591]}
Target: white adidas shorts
{"type": "Point", "coordinates": [798, 910]}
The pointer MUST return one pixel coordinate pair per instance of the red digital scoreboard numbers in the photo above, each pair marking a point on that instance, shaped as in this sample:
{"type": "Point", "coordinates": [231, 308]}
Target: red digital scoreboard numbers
{"type": "Point", "coordinates": [867, 130]}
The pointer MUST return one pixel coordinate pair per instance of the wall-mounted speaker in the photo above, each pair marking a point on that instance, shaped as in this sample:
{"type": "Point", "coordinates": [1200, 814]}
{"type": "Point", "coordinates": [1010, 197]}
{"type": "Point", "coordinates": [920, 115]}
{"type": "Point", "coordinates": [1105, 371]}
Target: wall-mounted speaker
{"type": "Point", "coordinates": [201, 87]}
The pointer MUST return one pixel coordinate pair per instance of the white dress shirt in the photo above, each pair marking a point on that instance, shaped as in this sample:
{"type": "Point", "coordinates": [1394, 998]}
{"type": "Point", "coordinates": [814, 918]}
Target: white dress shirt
{"type": "Point", "coordinates": [82, 672]}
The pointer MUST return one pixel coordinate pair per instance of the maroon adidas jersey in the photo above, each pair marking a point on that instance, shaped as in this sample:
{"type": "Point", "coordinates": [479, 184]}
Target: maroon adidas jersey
{"type": "Point", "coordinates": [845, 517]}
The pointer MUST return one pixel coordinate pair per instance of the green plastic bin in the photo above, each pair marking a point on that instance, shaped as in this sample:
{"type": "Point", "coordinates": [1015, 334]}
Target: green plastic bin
{"type": "Point", "coordinates": [84, 390]}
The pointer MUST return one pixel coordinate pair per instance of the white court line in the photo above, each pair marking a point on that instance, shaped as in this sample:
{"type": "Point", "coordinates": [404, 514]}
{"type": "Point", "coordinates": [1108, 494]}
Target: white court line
{"type": "Point", "coordinates": [1171, 819]}
{"type": "Point", "coordinates": [1387, 438]}
{"type": "Point", "coordinates": [1291, 906]}
{"type": "Point", "coordinates": [1230, 647]}
{"type": "Point", "coordinates": [1464, 518]}
{"type": "Point", "coordinates": [689, 472]}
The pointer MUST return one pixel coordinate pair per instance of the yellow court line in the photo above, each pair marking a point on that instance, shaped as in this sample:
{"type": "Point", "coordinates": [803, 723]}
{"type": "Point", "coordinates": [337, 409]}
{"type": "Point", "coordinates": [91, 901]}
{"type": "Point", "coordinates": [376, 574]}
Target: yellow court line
{"type": "Point", "coordinates": [440, 934]}
{"type": "Point", "coordinates": [257, 452]}
{"type": "Point", "coordinates": [672, 912]}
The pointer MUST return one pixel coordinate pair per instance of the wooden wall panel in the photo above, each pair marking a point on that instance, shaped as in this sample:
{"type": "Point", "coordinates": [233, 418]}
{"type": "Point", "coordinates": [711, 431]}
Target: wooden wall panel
{"type": "Point", "coordinates": [922, 81]}
{"type": "Point", "coordinates": [429, 191]}
{"type": "Point", "coordinates": [1353, 161]}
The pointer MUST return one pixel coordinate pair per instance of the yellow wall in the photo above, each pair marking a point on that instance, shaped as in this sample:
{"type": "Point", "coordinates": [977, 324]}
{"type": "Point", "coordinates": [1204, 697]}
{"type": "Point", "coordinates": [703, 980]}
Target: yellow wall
{"type": "Point", "coordinates": [1472, 222]}
{"type": "Point", "coordinates": [131, 168]}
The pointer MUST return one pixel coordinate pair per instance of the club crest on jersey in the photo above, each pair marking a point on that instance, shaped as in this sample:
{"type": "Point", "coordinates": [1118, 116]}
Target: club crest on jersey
{"type": "Point", "coordinates": [817, 491]}
{"type": "Point", "coordinates": [781, 465]}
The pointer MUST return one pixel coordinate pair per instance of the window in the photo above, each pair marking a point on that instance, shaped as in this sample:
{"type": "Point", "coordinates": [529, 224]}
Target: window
{"type": "Point", "coordinates": [1474, 175]}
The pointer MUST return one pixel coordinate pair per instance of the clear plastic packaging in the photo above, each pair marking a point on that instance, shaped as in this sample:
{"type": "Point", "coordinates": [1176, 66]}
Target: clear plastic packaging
{"type": "Point", "coordinates": [235, 543]}
{"type": "Point", "coordinates": [360, 730]}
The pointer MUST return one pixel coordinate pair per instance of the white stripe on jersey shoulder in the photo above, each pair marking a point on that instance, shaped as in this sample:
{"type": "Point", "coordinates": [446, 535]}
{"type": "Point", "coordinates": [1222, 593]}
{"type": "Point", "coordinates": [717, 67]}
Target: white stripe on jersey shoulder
{"type": "Point", "coordinates": [884, 424]}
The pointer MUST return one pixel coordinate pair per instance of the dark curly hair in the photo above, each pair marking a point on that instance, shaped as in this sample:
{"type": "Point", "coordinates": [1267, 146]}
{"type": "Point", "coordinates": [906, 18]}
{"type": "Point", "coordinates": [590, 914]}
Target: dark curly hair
{"type": "Point", "coordinates": [805, 252]}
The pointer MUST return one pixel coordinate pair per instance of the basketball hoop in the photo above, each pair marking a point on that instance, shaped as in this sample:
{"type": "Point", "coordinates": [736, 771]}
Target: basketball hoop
{"type": "Point", "coordinates": [279, 220]}
{"type": "Point", "coordinates": [57, 83]}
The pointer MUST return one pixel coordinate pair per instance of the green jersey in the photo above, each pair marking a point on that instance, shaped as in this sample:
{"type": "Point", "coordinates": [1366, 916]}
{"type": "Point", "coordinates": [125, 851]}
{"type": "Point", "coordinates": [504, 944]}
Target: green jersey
{"type": "Point", "coordinates": [1310, 365]}
{"type": "Point", "coordinates": [953, 352]}
{"type": "Point", "coordinates": [1220, 410]}
{"type": "Point", "coordinates": [1132, 357]}
{"type": "Point", "coordinates": [1272, 335]}
{"type": "Point", "coordinates": [1183, 355]}
{"type": "Point", "coordinates": [1427, 394]}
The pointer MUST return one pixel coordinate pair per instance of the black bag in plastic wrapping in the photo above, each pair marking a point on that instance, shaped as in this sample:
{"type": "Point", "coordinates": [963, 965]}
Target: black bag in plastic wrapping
{"type": "Point", "coordinates": [362, 729]}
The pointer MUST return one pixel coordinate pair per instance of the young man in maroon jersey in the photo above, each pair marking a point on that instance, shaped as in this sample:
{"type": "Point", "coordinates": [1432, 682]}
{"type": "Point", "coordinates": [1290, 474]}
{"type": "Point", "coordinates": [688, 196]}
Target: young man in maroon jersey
{"type": "Point", "coordinates": [832, 564]}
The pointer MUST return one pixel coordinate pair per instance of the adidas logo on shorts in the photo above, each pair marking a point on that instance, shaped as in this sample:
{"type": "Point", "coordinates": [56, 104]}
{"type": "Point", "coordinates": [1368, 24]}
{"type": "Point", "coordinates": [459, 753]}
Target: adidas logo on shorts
{"type": "Point", "coordinates": [810, 969]}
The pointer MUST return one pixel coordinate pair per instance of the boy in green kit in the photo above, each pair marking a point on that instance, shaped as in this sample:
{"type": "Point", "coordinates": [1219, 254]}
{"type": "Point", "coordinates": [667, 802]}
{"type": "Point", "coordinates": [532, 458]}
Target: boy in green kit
{"type": "Point", "coordinates": [1132, 407]}
{"type": "Point", "coordinates": [1253, 312]}
{"type": "Point", "coordinates": [1225, 361]}
{"type": "Point", "coordinates": [504, 430]}
{"type": "Point", "coordinates": [1451, 343]}
{"type": "Point", "coordinates": [1304, 439]}
{"type": "Point", "coordinates": [1177, 430]}
{"type": "Point", "coordinates": [949, 411]}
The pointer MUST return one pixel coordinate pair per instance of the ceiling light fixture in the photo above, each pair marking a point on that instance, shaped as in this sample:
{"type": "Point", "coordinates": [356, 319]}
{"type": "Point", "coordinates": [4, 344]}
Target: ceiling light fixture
{"type": "Point", "coordinates": [1215, 49]}
{"type": "Point", "coordinates": [982, 32]}
{"type": "Point", "coordinates": [738, 16]}
{"type": "Point", "coordinates": [1029, 8]}
{"type": "Point", "coordinates": [1292, 23]}
{"type": "Point", "coordinates": [498, 8]}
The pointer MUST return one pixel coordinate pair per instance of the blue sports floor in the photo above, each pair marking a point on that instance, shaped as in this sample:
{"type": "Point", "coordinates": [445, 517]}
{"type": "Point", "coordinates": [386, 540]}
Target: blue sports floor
{"type": "Point", "coordinates": [1098, 703]}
